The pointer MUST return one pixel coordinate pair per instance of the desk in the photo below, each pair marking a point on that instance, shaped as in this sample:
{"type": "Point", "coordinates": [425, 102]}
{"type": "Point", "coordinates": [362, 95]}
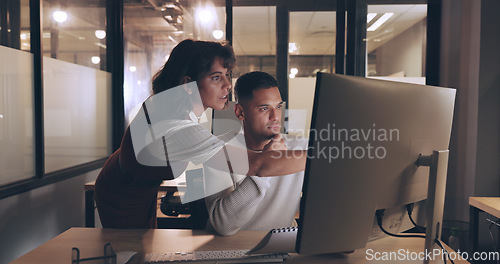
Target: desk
{"type": "Point", "coordinates": [166, 186]}
{"type": "Point", "coordinates": [90, 241]}
{"type": "Point", "coordinates": [490, 205]}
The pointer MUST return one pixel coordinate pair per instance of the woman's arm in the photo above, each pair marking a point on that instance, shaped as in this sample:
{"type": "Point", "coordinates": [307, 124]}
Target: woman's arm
{"type": "Point", "coordinates": [264, 164]}
{"type": "Point", "coordinates": [196, 144]}
{"type": "Point", "coordinates": [276, 162]}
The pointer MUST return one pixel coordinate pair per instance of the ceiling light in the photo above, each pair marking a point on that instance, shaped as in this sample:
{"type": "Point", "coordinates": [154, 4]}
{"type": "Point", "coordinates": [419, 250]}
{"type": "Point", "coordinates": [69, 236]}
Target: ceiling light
{"type": "Point", "coordinates": [291, 76]}
{"type": "Point", "coordinates": [100, 34]}
{"type": "Point", "coordinates": [132, 68]}
{"type": "Point", "coordinates": [370, 16]}
{"type": "Point", "coordinates": [292, 47]}
{"type": "Point", "coordinates": [218, 34]}
{"type": "Point", "coordinates": [204, 15]}
{"type": "Point", "coordinates": [380, 21]}
{"type": "Point", "coordinates": [95, 59]}
{"type": "Point", "coordinates": [294, 71]}
{"type": "Point", "coordinates": [60, 16]}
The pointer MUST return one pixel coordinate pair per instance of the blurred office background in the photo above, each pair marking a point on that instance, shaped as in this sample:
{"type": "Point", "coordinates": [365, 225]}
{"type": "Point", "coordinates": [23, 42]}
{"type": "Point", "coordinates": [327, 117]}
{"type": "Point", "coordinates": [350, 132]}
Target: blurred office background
{"type": "Point", "coordinates": [72, 74]}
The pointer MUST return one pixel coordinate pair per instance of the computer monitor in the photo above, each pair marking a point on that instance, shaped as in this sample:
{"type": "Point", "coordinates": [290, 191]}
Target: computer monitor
{"type": "Point", "coordinates": [366, 136]}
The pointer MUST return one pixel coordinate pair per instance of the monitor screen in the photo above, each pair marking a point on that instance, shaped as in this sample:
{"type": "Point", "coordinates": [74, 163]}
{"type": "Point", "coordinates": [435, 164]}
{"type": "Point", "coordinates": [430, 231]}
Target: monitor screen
{"type": "Point", "coordinates": [365, 138]}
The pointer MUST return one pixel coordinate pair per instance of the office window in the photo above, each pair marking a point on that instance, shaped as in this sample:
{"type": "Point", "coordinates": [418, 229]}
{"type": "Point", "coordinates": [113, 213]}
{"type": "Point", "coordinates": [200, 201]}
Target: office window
{"type": "Point", "coordinates": [254, 39]}
{"type": "Point", "coordinates": [75, 32]}
{"type": "Point", "coordinates": [312, 43]}
{"type": "Point", "coordinates": [152, 30]}
{"type": "Point", "coordinates": [25, 35]}
{"type": "Point", "coordinates": [396, 42]}
{"type": "Point", "coordinates": [14, 23]}
{"type": "Point", "coordinates": [77, 89]}
{"type": "Point", "coordinates": [16, 95]}
{"type": "Point", "coordinates": [311, 50]}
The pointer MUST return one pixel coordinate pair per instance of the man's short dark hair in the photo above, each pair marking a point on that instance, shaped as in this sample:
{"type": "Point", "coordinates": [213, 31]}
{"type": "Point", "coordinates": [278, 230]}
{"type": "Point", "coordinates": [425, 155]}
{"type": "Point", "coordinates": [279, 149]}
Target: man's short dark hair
{"type": "Point", "coordinates": [249, 82]}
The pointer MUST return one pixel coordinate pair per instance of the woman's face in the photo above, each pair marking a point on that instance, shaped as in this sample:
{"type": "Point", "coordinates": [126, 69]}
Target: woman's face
{"type": "Point", "coordinates": [214, 87]}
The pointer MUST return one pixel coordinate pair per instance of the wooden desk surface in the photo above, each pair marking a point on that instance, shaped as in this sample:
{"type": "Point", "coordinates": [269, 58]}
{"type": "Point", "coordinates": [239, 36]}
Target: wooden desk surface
{"type": "Point", "coordinates": [170, 186]}
{"type": "Point", "coordinates": [90, 241]}
{"type": "Point", "coordinates": [490, 205]}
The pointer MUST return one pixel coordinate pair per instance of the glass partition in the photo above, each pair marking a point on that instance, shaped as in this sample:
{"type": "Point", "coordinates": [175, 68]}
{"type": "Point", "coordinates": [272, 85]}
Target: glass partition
{"type": "Point", "coordinates": [24, 35]}
{"type": "Point", "coordinates": [254, 39]}
{"type": "Point", "coordinates": [77, 114]}
{"type": "Point", "coordinates": [77, 101]}
{"type": "Point", "coordinates": [152, 30]}
{"type": "Point", "coordinates": [16, 95]}
{"type": "Point", "coordinates": [16, 115]}
{"type": "Point", "coordinates": [312, 43]}
{"type": "Point", "coordinates": [77, 86]}
{"type": "Point", "coordinates": [75, 32]}
{"type": "Point", "coordinates": [396, 42]}
{"type": "Point", "coordinates": [311, 50]}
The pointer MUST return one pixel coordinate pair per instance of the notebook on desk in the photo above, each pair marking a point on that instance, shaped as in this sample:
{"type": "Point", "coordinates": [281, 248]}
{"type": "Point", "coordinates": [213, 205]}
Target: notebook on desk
{"type": "Point", "coordinates": [277, 240]}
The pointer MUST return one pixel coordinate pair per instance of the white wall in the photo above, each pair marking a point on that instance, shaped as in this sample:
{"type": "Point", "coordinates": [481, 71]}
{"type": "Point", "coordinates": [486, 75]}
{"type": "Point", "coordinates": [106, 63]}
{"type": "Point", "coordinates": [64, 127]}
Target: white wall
{"type": "Point", "coordinates": [487, 181]}
{"type": "Point", "coordinates": [34, 217]}
{"type": "Point", "coordinates": [300, 103]}
{"type": "Point", "coordinates": [488, 150]}
{"type": "Point", "coordinates": [404, 52]}
{"type": "Point", "coordinates": [470, 60]}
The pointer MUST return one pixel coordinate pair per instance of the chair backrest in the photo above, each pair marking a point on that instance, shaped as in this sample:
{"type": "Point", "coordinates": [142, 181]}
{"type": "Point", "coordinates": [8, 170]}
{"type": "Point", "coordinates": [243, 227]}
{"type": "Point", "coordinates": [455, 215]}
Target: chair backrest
{"type": "Point", "coordinates": [198, 208]}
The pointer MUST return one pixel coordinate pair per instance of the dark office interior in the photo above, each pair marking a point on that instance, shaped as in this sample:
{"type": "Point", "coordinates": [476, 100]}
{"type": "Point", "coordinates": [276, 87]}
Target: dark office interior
{"type": "Point", "coordinates": [73, 73]}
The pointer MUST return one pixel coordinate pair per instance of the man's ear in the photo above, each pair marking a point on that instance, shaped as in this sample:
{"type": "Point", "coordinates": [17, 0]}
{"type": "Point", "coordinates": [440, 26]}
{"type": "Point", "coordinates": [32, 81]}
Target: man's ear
{"type": "Point", "coordinates": [185, 80]}
{"type": "Point", "coordinates": [238, 111]}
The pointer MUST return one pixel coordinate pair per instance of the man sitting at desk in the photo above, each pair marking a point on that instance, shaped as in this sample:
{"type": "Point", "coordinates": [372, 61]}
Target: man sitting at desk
{"type": "Point", "coordinates": [256, 203]}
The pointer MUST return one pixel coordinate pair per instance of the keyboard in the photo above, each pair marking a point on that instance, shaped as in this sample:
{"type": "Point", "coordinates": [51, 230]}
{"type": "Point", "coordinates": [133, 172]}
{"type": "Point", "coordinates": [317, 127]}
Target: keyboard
{"type": "Point", "coordinates": [216, 256]}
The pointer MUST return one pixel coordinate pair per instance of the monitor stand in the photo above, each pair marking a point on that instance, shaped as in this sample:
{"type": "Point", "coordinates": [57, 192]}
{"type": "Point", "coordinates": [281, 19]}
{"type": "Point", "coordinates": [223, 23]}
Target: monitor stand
{"type": "Point", "coordinates": [438, 163]}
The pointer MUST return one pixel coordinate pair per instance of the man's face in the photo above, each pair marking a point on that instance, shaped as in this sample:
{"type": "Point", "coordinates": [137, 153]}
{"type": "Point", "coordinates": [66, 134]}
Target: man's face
{"type": "Point", "coordinates": [262, 115]}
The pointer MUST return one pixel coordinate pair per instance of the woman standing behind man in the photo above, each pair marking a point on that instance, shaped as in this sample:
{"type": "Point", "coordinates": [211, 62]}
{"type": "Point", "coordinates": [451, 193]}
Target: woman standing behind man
{"type": "Point", "coordinates": [127, 186]}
